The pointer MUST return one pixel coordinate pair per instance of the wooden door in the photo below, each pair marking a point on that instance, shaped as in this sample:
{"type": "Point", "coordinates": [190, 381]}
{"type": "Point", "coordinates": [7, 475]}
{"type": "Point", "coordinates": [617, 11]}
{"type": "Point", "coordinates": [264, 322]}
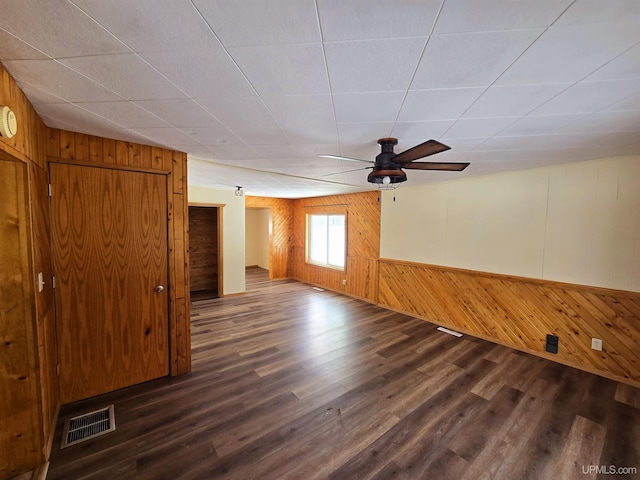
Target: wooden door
{"type": "Point", "coordinates": [110, 253]}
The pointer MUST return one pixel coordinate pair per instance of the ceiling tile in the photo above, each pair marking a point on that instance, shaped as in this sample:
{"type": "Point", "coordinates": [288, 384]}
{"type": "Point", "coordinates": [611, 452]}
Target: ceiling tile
{"type": "Point", "coordinates": [180, 112]}
{"type": "Point", "coordinates": [128, 114]}
{"type": "Point", "coordinates": [312, 133]}
{"type": "Point", "coordinates": [59, 80]}
{"type": "Point", "coordinates": [202, 74]}
{"type": "Point", "coordinates": [489, 15]}
{"type": "Point", "coordinates": [85, 37]}
{"type": "Point", "coordinates": [627, 65]}
{"type": "Point", "coordinates": [603, 122]}
{"type": "Point", "coordinates": [362, 132]}
{"type": "Point", "coordinates": [588, 97]}
{"type": "Point", "coordinates": [261, 22]}
{"type": "Point", "coordinates": [470, 60]}
{"type": "Point", "coordinates": [443, 104]}
{"type": "Point", "coordinates": [513, 100]}
{"type": "Point", "coordinates": [37, 95]}
{"type": "Point", "coordinates": [592, 11]}
{"type": "Point", "coordinates": [11, 47]}
{"type": "Point", "coordinates": [234, 111]}
{"type": "Point", "coordinates": [367, 107]}
{"type": "Point", "coordinates": [478, 127]}
{"type": "Point", "coordinates": [568, 54]}
{"type": "Point", "coordinates": [539, 125]}
{"type": "Point", "coordinates": [144, 26]}
{"type": "Point", "coordinates": [266, 133]}
{"type": "Point", "coordinates": [126, 74]}
{"type": "Point", "coordinates": [284, 69]}
{"type": "Point", "coordinates": [233, 152]}
{"type": "Point", "coordinates": [629, 103]}
{"type": "Point", "coordinates": [82, 120]}
{"type": "Point", "coordinates": [359, 19]}
{"type": "Point", "coordinates": [167, 136]}
{"type": "Point", "coordinates": [213, 136]}
{"type": "Point", "coordinates": [418, 130]}
{"type": "Point", "coordinates": [360, 66]}
{"type": "Point", "coordinates": [301, 109]}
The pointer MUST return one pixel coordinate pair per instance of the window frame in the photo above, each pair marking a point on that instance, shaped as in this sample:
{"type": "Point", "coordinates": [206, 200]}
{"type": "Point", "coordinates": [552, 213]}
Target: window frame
{"type": "Point", "coordinates": [308, 241]}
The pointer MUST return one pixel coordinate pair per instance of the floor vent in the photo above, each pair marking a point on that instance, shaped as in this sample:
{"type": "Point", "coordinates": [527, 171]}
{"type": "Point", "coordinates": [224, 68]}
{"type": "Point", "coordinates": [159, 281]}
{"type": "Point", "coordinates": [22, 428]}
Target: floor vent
{"type": "Point", "coordinates": [450, 332]}
{"type": "Point", "coordinates": [90, 425]}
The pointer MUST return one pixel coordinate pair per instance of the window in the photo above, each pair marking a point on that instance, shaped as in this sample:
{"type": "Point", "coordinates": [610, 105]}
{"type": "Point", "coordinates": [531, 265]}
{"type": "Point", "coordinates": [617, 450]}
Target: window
{"type": "Point", "coordinates": [326, 239]}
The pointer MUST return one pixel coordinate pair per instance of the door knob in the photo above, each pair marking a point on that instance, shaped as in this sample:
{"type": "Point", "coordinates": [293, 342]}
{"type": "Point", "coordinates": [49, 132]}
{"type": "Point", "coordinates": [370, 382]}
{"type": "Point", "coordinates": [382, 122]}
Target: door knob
{"type": "Point", "coordinates": [159, 289]}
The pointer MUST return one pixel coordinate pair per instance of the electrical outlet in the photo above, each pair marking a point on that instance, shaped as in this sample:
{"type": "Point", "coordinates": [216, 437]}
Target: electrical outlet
{"type": "Point", "coordinates": [596, 344]}
{"type": "Point", "coordinates": [344, 282]}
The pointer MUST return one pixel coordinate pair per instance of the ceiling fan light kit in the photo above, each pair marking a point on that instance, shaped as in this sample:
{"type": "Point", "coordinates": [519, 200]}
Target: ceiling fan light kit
{"type": "Point", "coordinates": [388, 166]}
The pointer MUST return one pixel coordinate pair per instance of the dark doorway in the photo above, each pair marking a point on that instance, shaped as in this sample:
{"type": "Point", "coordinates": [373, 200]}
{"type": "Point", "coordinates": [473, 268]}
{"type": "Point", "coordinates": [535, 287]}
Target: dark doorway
{"type": "Point", "coordinates": [204, 252]}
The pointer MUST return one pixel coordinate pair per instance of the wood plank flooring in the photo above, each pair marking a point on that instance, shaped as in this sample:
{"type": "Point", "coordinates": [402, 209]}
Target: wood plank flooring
{"type": "Point", "coordinates": [290, 382]}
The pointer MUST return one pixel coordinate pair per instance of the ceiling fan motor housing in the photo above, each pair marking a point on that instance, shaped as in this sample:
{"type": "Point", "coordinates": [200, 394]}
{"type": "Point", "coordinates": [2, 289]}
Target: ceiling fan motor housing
{"type": "Point", "coordinates": [385, 166]}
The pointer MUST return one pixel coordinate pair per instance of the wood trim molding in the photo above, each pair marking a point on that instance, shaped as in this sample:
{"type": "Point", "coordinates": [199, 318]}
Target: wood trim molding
{"type": "Point", "coordinates": [111, 166]}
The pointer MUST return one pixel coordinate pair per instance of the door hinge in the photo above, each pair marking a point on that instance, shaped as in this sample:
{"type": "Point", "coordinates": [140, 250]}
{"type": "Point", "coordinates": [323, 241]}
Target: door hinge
{"type": "Point", "coordinates": [50, 190]}
{"type": "Point", "coordinates": [53, 281]}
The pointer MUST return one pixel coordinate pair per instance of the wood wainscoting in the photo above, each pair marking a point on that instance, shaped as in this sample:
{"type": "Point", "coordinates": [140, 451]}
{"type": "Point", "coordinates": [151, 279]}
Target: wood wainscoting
{"type": "Point", "coordinates": [520, 312]}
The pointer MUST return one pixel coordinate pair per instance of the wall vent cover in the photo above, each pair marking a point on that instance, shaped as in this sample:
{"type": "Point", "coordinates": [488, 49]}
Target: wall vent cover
{"type": "Point", "coordinates": [90, 425]}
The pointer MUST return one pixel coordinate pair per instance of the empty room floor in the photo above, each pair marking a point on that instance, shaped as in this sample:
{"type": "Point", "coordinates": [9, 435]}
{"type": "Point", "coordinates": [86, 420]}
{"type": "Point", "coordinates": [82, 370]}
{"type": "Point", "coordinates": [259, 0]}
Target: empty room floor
{"type": "Point", "coordinates": [291, 382]}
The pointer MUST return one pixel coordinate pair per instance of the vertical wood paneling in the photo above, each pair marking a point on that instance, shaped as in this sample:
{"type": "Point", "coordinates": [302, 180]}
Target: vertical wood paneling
{"type": "Point", "coordinates": [20, 417]}
{"type": "Point", "coordinates": [29, 401]}
{"type": "Point", "coordinates": [43, 263]}
{"type": "Point", "coordinates": [203, 250]}
{"type": "Point", "coordinates": [363, 243]}
{"type": "Point", "coordinates": [520, 312]}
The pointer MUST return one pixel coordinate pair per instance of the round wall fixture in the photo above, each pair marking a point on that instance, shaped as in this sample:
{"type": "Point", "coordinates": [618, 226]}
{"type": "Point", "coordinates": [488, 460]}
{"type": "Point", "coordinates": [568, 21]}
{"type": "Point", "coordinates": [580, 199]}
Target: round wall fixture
{"type": "Point", "coordinates": [8, 122]}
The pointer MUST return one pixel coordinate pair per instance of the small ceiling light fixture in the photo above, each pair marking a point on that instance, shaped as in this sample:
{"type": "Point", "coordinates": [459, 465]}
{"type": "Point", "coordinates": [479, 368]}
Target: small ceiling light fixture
{"type": "Point", "coordinates": [239, 192]}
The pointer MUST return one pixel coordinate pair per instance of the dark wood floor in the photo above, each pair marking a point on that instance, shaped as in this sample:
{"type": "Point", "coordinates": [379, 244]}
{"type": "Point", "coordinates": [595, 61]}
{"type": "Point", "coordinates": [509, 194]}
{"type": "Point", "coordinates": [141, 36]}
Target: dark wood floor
{"type": "Point", "coordinates": [290, 382]}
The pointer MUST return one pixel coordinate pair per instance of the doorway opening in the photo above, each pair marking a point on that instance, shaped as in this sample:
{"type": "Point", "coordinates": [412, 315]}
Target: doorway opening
{"type": "Point", "coordinates": [205, 259]}
{"type": "Point", "coordinates": [257, 242]}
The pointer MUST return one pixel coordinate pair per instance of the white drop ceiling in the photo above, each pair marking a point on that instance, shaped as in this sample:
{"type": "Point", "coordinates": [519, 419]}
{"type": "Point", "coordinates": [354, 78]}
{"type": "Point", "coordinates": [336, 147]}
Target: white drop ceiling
{"type": "Point", "coordinates": [254, 90]}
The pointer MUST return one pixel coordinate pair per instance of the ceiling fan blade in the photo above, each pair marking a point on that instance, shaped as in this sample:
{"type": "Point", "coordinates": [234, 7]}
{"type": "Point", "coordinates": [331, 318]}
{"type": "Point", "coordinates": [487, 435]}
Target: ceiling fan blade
{"type": "Point", "coordinates": [447, 166]}
{"type": "Point", "coordinates": [346, 171]}
{"type": "Point", "coordinates": [430, 147]}
{"type": "Point", "coordinates": [338, 157]}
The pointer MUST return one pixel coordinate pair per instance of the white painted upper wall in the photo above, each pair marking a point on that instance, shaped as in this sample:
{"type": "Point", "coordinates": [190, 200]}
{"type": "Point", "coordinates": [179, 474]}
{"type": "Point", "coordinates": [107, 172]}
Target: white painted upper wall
{"type": "Point", "coordinates": [233, 234]}
{"type": "Point", "coordinates": [576, 223]}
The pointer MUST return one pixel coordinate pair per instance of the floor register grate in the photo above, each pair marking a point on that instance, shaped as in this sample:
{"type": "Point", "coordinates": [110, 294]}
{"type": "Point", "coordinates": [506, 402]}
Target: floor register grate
{"type": "Point", "coordinates": [90, 425]}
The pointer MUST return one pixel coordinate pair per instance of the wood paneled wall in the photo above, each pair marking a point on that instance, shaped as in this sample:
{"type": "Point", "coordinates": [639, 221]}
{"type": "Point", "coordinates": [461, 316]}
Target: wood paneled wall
{"type": "Point", "coordinates": [520, 312]}
{"type": "Point", "coordinates": [21, 424]}
{"type": "Point", "coordinates": [363, 244]}
{"type": "Point", "coordinates": [203, 250]}
{"type": "Point", "coordinates": [77, 148]}
{"type": "Point", "coordinates": [281, 239]}
{"type": "Point", "coordinates": [27, 415]}
{"type": "Point", "coordinates": [29, 143]}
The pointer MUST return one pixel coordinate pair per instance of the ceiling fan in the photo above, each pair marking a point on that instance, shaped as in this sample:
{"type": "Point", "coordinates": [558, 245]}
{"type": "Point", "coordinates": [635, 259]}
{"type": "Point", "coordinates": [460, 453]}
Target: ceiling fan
{"type": "Point", "coordinates": [388, 166]}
